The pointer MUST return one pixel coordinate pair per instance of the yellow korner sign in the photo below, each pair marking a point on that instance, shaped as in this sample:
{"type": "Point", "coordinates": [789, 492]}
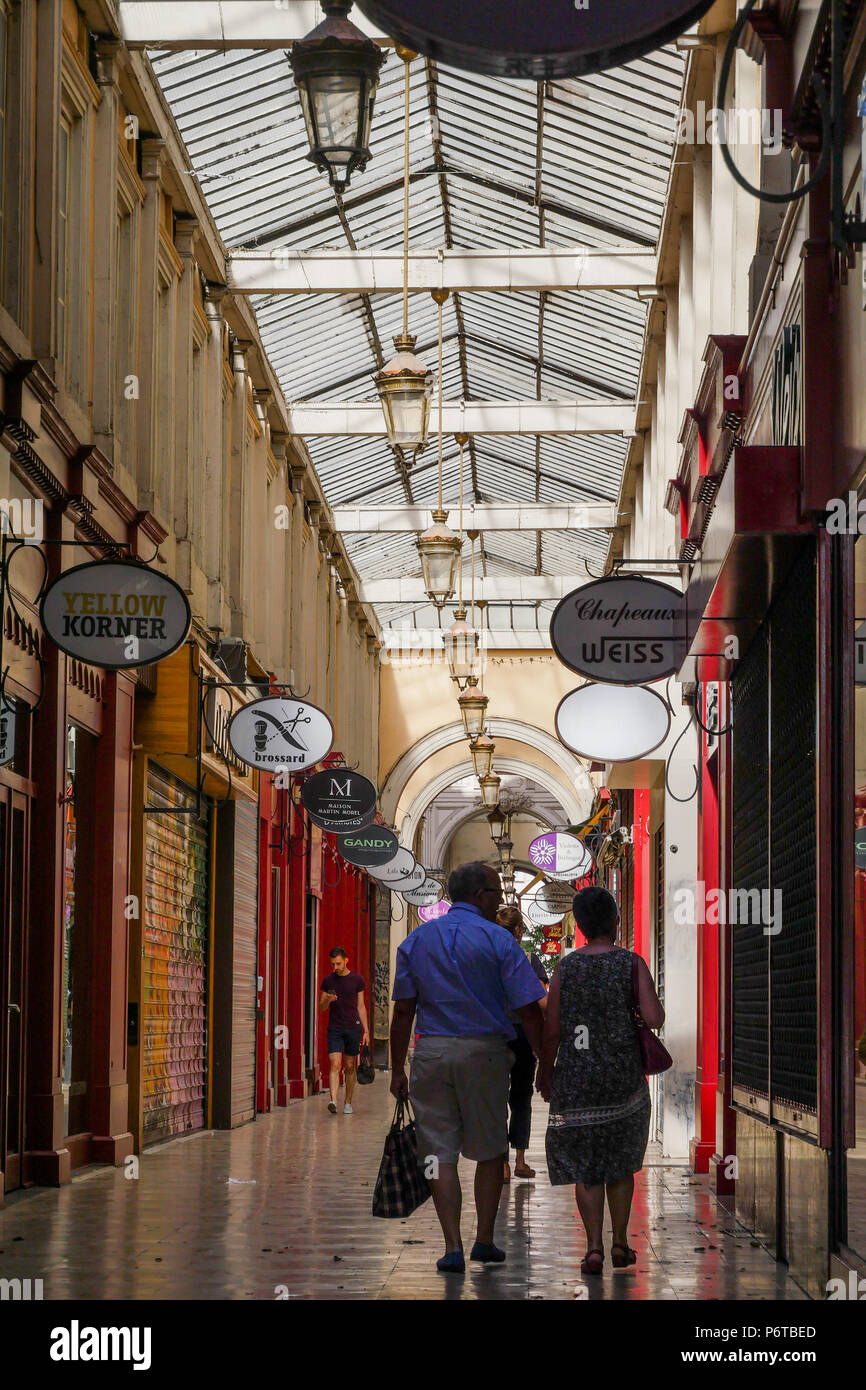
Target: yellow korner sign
{"type": "Point", "coordinates": [116, 614]}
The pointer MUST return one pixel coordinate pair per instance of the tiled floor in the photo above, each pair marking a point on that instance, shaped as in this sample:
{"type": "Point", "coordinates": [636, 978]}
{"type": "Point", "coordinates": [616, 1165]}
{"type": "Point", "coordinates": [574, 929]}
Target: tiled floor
{"type": "Point", "coordinates": [281, 1208]}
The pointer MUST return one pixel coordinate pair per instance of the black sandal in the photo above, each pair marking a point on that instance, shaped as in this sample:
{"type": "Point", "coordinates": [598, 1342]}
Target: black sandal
{"type": "Point", "coordinates": [628, 1256]}
{"type": "Point", "coordinates": [592, 1262]}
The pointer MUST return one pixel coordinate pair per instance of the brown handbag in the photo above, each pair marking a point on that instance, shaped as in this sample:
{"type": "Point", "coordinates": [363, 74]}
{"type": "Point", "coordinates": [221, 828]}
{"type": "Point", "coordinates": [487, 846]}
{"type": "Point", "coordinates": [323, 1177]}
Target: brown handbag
{"type": "Point", "coordinates": [654, 1055]}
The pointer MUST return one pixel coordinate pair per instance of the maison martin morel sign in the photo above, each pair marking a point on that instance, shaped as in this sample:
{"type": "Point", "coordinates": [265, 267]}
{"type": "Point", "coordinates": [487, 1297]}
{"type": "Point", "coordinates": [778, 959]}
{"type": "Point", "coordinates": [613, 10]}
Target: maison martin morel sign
{"type": "Point", "coordinates": [281, 734]}
{"type": "Point", "coordinates": [512, 38]}
{"type": "Point", "coordinates": [339, 799]}
{"type": "Point", "coordinates": [621, 631]}
{"type": "Point", "coordinates": [115, 614]}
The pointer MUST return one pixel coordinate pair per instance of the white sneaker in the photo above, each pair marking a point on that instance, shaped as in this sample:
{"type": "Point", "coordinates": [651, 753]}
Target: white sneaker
{"type": "Point", "coordinates": [347, 1110]}
{"type": "Point", "coordinates": [332, 1106]}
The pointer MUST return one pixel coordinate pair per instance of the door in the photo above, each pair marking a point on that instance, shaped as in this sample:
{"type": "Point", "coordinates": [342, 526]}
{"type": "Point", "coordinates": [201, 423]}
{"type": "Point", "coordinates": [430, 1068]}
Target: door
{"type": "Point", "coordinates": [14, 842]}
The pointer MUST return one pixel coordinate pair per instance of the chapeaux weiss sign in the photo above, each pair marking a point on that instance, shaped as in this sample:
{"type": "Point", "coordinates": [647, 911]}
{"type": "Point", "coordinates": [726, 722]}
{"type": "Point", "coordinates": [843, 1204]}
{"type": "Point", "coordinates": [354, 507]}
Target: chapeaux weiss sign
{"type": "Point", "coordinates": [622, 631]}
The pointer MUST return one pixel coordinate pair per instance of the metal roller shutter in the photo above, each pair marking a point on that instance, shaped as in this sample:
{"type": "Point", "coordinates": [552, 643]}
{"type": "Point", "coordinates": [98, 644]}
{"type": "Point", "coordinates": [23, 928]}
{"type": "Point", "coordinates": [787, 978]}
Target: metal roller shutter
{"type": "Point", "coordinates": [751, 1034]}
{"type": "Point", "coordinates": [244, 963]}
{"type": "Point", "coordinates": [793, 834]}
{"type": "Point", "coordinates": [174, 968]}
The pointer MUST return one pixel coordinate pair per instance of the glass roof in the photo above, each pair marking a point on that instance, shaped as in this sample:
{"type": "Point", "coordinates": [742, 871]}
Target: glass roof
{"type": "Point", "coordinates": [494, 164]}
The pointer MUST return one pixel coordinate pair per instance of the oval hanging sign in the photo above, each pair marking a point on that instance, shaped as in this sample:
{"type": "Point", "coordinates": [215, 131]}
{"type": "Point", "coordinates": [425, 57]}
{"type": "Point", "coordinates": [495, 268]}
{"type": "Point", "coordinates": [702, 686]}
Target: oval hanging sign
{"type": "Point", "coordinates": [430, 914]}
{"type": "Point", "coordinates": [622, 631]}
{"type": "Point", "coordinates": [339, 799]}
{"type": "Point", "coordinates": [396, 871]}
{"type": "Point", "coordinates": [426, 895]}
{"type": "Point", "coordinates": [375, 844]}
{"type": "Point", "coordinates": [281, 734]}
{"type": "Point", "coordinates": [115, 613]}
{"type": "Point", "coordinates": [539, 915]}
{"type": "Point", "coordinates": [555, 897]}
{"type": "Point", "coordinates": [415, 880]}
{"type": "Point", "coordinates": [560, 855]}
{"type": "Point", "coordinates": [509, 38]}
{"type": "Point", "coordinates": [612, 724]}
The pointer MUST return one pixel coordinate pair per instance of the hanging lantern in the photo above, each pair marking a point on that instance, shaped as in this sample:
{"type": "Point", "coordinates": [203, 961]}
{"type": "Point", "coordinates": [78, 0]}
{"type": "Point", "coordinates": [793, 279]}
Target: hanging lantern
{"type": "Point", "coordinates": [405, 387]}
{"type": "Point", "coordinates": [439, 549]}
{"type": "Point", "coordinates": [505, 848]}
{"type": "Point", "coordinates": [490, 785]}
{"type": "Point", "coordinates": [496, 821]}
{"type": "Point", "coordinates": [481, 749]}
{"type": "Point", "coordinates": [461, 643]}
{"type": "Point", "coordinates": [473, 705]}
{"type": "Point", "coordinates": [336, 69]}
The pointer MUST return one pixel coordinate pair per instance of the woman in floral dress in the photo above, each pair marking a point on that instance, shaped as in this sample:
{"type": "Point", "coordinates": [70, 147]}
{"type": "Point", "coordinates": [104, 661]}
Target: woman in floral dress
{"type": "Point", "coordinates": [592, 1075]}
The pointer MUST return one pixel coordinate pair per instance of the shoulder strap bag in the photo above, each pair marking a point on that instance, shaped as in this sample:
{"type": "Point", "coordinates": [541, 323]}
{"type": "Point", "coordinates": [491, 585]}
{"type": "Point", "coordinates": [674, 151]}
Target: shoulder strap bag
{"type": "Point", "coordinates": [654, 1055]}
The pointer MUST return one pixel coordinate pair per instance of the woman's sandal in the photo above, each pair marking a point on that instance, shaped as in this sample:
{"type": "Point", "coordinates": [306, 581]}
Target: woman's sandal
{"type": "Point", "coordinates": [526, 1172]}
{"type": "Point", "coordinates": [592, 1262]}
{"type": "Point", "coordinates": [506, 1172]}
{"type": "Point", "coordinates": [625, 1258]}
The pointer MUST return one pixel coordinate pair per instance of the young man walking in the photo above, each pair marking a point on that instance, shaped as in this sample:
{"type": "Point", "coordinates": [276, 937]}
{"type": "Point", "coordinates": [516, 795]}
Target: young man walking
{"type": "Point", "coordinates": [464, 974]}
{"type": "Point", "coordinates": [348, 1030]}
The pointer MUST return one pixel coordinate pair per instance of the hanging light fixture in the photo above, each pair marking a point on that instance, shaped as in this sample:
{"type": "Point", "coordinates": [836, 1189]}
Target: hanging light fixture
{"type": "Point", "coordinates": [461, 641]}
{"type": "Point", "coordinates": [505, 848]}
{"type": "Point", "coordinates": [481, 749]}
{"type": "Point", "coordinates": [404, 384]}
{"type": "Point", "coordinates": [472, 702]}
{"type": "Point", "coordinates": [473, 707]}
{"type": "Point", "coordinates": [490, 785]}
{"type": "Point", "coordinates": [496, 821]}
{"type": "Point", "coordinates": [336, 69]}
{"type": "Point", "coordinates": [438, 546]}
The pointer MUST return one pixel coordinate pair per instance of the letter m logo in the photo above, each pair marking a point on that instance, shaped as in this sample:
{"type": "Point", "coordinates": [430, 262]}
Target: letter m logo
{"type": "Point", "coordinates": [337, 790]}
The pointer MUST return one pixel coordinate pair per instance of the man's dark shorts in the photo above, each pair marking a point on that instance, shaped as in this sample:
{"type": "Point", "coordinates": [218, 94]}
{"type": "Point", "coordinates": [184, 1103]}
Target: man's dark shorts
{"type": "Point", "coordinates": [347, 1040]}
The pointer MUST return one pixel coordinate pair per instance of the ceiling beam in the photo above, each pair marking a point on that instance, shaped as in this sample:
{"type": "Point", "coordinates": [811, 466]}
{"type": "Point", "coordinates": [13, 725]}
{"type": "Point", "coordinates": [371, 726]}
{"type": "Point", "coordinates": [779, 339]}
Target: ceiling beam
{"type": "Point", "coordinates": [488, 516]}
{"type": "Point", "coordinates": [192, 24]}
{"type": "Point", "coordinates": [410, 645]}
{"type": "Point", "coordinates": [342, 271]}
{"type": "Point", "coordinates": [491, 589]}
{"type": "Point", "coordinates": [354, 418]}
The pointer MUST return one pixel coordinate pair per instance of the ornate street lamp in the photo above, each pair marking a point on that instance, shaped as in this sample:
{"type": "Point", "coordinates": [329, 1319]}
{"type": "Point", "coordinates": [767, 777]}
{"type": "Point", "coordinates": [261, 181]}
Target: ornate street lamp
{"type": "Point", "coordinates": [461, 644]}
{"type": "Point", "coordinates": [496, 821]}
{"type": "Point", "coordinates": [473, 705]}
{"type": "Point", "coordinates": [439, 549]}
{"type": "Point", "coordinates": [404, 384]}
{"type": "Point", "coordinates": [490, 785]}
{"type": "Point", "coordinates": [481, 749]}
{"type": "Point", "coordinates": [505, 848]}
{"type": "Point", "coordinates": [336, 69]}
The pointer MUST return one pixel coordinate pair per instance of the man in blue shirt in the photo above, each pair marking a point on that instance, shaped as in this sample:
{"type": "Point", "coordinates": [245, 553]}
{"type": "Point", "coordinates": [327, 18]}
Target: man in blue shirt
{"type": "Point", "coordinates": [464, 975]}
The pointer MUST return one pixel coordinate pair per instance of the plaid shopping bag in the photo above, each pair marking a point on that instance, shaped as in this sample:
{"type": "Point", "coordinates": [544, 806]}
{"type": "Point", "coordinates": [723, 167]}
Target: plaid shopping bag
{"type": "Point", "coordinates": [401, 1185]}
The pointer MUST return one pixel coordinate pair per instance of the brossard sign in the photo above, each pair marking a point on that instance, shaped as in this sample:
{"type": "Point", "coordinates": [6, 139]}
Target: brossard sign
{"type": "Point", "coordinates": [620, 631]}
{"type": "Point", "coordinates": [115, 614]}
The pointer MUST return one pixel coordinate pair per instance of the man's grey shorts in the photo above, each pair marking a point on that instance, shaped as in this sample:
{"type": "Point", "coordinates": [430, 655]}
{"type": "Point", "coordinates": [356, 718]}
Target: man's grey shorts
{"type": "Point", "coordinates": [459, 1092]}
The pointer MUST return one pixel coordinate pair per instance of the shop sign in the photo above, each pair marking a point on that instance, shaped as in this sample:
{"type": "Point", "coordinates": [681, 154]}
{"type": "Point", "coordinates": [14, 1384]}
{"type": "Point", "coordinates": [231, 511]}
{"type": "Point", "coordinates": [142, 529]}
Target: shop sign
{"type": "Point", "coordinates": [115, 614]}
{"type": "Point", "coordinates": [860, 650]}
{"type": "Point", "coordinates": [539, 915]}
{"type": "Point", "coordinates": [281, 734]}
{"type": "Point", "coordinates": [510, 38]}
{"type": "Point", "coordinates": [560, 856]}
{"type": "Point", "coordinates": [339, 799]}
{"type": "Point", "coordinates": [415, 880]}
{"type": "Point", "coordinates": [426, 895]}
{"type": "Point", "coordinates": [7, 732]}
{"type": "Point", "coordinates": [400, 867]}
{"type": "Point", "coordinates": [364, 848]}
{"type": "Point", "coordinates": [612, 724]}
{"type": "Point", "coordinates": [624, 631]}
{"type": "Point", "coordinates": [860, 847]}
{"type": "Point", "coordinates": [554, 932]}
{"type": "Point", "coordinates": [429, 914]}
{"type": "Point", "coordinates": [551, 948]}
{"type": "Point", "coordinates": [555, 897]}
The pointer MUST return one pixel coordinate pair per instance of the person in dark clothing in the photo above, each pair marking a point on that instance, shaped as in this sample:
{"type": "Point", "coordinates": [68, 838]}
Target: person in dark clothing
{"type": "Point", "coordinates": [592, 1074]}
{"type": "Point", "coordinates": [523, 1069]}
{"type": "Point", "coordinates": [343, 995]}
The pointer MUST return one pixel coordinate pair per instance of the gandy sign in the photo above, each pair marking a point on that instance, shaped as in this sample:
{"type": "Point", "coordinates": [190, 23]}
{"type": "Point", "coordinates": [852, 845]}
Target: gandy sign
{"type": "Point", "coordinates": [115, 614]}
{"type": "Point", "coordinates": [620, 631]}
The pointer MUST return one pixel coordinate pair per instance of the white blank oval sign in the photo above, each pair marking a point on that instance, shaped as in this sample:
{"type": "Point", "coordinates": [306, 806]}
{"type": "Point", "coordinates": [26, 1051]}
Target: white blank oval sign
{"type": "Point", "coordinates": [612, 723]}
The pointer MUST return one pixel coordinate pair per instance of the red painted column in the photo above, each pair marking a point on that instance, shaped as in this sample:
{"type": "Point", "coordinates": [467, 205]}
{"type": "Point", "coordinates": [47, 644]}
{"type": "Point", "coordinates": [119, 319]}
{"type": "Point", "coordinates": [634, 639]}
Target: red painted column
{"type": "Point", "coordinates": [642, 877]}
{"type": "Point", "coordinates": [111, 810]}
{"type": "Point", "coordinates": [265, 962]}
{"type": "Point", "coordinates": [296, 986]}
{"type": "Point", "coordinates": [707, 1069]}
{"type": "Point", "coordinates": [721, 1167]}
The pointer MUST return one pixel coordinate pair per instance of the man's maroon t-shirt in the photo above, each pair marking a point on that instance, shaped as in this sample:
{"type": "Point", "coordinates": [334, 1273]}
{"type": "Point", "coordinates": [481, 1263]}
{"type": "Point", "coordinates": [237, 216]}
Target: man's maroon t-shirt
{"type": "Point", "coordinates": [343, 1012]}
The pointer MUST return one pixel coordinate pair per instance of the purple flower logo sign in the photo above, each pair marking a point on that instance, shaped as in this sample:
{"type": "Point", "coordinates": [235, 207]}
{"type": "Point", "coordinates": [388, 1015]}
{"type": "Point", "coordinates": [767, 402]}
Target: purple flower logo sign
{"type": "Point", "coordinates": [429, 914]}
{"type": "Point", "coordinates": [560, 856]}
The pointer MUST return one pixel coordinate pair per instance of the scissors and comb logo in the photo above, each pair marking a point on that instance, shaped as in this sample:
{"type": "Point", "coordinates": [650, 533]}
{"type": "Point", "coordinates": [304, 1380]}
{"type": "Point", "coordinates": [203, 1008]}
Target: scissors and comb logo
{"type": "Point", "coordinates": [286, 728]}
